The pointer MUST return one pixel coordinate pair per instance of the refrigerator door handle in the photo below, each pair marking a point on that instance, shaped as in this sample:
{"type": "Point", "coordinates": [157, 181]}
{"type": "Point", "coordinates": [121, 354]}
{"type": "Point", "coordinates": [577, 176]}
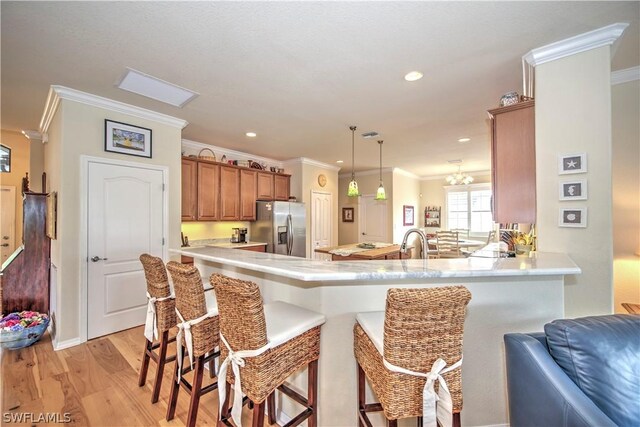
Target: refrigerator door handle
{"type": "Point", "coordinates": [289, 235]}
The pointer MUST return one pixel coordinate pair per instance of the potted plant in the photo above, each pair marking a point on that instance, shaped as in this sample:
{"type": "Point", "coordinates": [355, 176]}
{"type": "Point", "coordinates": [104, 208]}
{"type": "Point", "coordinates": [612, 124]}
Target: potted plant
{"type": "Point", "coordinates": [523, 243]}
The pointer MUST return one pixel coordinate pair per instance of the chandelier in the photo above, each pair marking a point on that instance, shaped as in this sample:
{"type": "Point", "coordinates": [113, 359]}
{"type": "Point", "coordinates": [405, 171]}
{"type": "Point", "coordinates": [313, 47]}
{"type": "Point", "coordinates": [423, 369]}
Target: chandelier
{"type": "Point", "coordinates": [352, 190]}
{"type": "Point", "coordinates": [459, 178]}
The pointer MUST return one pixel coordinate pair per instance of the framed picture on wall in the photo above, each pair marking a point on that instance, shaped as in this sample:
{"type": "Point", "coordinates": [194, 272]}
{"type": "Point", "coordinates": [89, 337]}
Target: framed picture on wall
{"type": "Point", "coordinates": [127, 139]}
{"type": "Point", "coordinates": [407, 215]}
{"type": "Point", "coordinates": [347, 214]}
{"type": "Point", "coordinates": [573, 190]}
{"type": "Point", "coordinates": [573, 217]}
{"type": "Point", "coordinates": [5, 158]}
{"type": "Point", "coordinates": [572, 163]}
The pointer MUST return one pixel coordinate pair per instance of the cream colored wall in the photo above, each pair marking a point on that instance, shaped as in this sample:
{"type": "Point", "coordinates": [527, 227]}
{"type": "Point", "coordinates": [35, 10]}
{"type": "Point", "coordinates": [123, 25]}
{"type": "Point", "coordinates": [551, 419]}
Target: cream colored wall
{"type": "Point", "coordinates": [406, 191]}
{"type": "Point", "coordinates": [36, 164]}
{"type": "Point", "coordinates": [625, 111]}
{"type": "Point", "coordinates": [367, 184]}
{"type": "Point", "coordinates": [573, 115]}
{"type": "Point", "coordinates": [20, 149]}
{"type": "Point", "coordinates": [82, 128]}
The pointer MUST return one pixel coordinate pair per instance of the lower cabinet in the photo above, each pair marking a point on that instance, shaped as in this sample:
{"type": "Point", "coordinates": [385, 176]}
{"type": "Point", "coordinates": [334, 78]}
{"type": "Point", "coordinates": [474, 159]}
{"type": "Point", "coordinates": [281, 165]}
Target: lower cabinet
{"type": "Point", "coordinates": [261, 248]}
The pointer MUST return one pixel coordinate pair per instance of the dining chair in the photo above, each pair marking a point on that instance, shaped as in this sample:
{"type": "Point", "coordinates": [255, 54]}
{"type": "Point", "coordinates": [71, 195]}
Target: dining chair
{"type": "Point", "coordinates": [447, 244]}
{"type": "Point", "coordinates": [404, 350]}
{"type": "Point", "coordinates": [463, 233]}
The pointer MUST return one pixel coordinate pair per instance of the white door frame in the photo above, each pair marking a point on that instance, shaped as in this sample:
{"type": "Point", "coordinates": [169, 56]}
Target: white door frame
{"type": "Point", "coordinates": [84, 225]}
{"type": "Point", "coordinates": [360, 221]}
{"type": "Point", "coordinates": [331, 242]}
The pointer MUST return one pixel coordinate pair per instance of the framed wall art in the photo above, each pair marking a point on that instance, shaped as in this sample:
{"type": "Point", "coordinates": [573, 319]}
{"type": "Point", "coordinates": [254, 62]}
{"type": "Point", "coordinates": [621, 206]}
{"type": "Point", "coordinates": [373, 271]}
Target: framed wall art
{"type": "Point", "coordinates": [127, 139]}
{"type": "Point", "coordinates": [573, 217]}
{"type": "Point", "coordinates": [573, 190]}
{"type": "Point", "coordinates": [347, 214]}
{"type": "Point", "coordinates": [572, 163]}
{"type": "Point", "coordinates": [407, 215]}
{"type": "Point", "coordinates": [5, 158]}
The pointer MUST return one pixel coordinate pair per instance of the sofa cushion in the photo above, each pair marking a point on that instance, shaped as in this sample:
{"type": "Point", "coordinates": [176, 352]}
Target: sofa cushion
{"type": "Point", "coordinates": [601, 354]}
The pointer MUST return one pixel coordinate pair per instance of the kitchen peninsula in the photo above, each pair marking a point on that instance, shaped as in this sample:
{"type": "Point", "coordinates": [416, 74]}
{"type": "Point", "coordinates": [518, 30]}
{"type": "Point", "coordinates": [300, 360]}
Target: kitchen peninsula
{"type": "Point", "coordinates": [508, 295]}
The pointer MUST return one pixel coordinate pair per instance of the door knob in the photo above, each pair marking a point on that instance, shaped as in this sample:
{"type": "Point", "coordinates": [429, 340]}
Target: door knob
{"type": "Point", "coordinates": [364, 234]}
{"type": "Point", "coordinates": [5, 237]}
{"type": "Point", "coordinates": [97, 258]}
{"type": "Point", "coordinates": [4, 245]}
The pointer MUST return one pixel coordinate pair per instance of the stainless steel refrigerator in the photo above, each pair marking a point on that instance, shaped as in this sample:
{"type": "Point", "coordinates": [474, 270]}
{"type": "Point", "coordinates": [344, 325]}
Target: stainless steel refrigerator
{"type": "Point", "coordinates": [282, 225]}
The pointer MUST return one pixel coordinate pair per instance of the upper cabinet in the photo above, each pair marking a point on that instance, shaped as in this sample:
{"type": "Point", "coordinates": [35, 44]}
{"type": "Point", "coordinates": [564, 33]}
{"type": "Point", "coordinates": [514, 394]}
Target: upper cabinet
{"type": "Point", "coordinates": [513, 163]}
{"type": "Point", "coordinates": [281, 185]}
{"type": "Point", "coordinates": [229, 193]}
{"type": "Point", "coordinates": [248, 182]}
{"type": "Point", "coordinates": [265, 186]}
{"type": "Point", "coordinates": [208, 185]}
{"type": "Point", "coordinates": [189, 190]}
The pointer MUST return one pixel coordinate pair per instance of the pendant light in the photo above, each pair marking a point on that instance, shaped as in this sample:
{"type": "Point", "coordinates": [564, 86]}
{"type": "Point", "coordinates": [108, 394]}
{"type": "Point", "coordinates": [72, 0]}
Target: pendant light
{"type": "Point", "coordinates": [352, 191]}
{"type": "Point", "coordinates": [380, 194]}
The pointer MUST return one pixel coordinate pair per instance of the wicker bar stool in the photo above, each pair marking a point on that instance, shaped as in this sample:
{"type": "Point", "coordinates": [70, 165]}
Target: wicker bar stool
{"type": "Point", "coordinates": [404, 351]}
{"type": "Point", "coordinates": [161, 317]}
{"type": "Point", "coordinates": [198, 333]}
{"type": "Point", "coordinates": [264, 345]}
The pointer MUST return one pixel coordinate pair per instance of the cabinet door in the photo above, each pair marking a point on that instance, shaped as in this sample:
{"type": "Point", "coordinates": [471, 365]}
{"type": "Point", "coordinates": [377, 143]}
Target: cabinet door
{"type": "Point", "coordinates": [208, 191]}
{"type": "Point", "coordinates": [513, 161]}
{"type": "Point", "coordinates": [189, 190]}
{"type": "Point", "coordinates": [281, 187]}
{"type": "Point", "coordinates": [229, 193]}
{"type": "Point", "coordinates": [265, 186]}
{"type": "Point", "coordinates": [248, 195]}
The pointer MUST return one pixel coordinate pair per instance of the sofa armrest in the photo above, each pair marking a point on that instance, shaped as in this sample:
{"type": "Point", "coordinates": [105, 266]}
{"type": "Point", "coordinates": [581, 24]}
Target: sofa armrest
{"type": "Point", "coordinates": [540, 393]}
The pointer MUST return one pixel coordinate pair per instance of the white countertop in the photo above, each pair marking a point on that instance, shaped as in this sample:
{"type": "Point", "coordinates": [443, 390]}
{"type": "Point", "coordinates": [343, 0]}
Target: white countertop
{"type": "Point", "coordinates": [221, 243]}
{"type": "Point", "coordinates": [540, 264]}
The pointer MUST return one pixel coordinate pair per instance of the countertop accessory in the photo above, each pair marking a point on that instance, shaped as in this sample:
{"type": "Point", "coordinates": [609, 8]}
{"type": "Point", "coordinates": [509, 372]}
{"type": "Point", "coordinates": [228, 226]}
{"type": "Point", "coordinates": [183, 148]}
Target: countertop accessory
{"type": "Point", "coordinates": [509, 98]}
{"type": "Point", "coordinates": [211, 158]}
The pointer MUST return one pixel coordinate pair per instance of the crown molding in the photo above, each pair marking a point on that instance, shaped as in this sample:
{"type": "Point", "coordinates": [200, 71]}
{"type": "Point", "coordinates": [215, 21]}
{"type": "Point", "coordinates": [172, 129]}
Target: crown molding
{"type": "Point", "coordinates": [626, 75]}
{"type": "Point", "coordinates": [57, 93]}
{"type": "Point", "coordinates": [474, 173]}
{"type": "Point", "coordinates": [311, 162]}
{"type": "Point", "coordinates": [237, 155]}
{"type": "Point", "coordinates": [582, 42]}
{"type": "Point", "coordinates": [32, 134]}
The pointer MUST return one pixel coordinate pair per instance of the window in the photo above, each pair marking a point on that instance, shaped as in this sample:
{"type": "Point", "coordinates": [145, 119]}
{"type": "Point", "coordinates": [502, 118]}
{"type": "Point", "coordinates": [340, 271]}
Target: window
{"type": "Point", "coordinates": [469, 208]}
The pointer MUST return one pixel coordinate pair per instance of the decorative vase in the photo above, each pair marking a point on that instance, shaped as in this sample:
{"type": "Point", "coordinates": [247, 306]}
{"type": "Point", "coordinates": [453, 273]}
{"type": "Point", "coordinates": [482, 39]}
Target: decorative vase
{"type": "Point", "coordinates": [523, 250]}
{"type": "Point", "coordinates": [509, 99]}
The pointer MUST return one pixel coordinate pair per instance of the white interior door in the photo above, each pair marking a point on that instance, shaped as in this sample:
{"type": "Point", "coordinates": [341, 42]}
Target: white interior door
{"type": "Point", "coordinates": [321, 230]}
{"type": "Point", "coordinates": [372, 220]}
{"type": "Point", "coordinates": [8, 220]}
{"type": "Point", "coordinates": [125, 219]}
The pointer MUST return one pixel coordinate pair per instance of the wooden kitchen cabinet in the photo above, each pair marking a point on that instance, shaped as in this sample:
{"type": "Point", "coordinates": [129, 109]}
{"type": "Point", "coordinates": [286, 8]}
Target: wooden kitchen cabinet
{"type": "Point", "coordinates": [189, 190]}
{"type": "Point", "coordinates": [513, 163]}
{"type": "Point", "coordinates": [281, 185]}
{"type": "Point", "coordinates": [229, 193]}
{"type": "Point", "coordinates": [248, 184]}
{"type": "Point", "coordinates": [208, 185]}
{"type": "Point", "coordinates": [265, 186]}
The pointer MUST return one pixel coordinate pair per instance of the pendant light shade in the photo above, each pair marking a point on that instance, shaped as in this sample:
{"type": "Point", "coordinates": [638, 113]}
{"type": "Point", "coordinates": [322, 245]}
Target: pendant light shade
{"type": "Point", "coordinates": [352, 191]}
{"type": "Point", "coordinates": [380, 194]}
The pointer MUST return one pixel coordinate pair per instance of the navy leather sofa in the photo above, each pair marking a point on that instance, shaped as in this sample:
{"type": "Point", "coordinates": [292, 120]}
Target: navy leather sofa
{"type": "Point", "coordinates": [580, 372]}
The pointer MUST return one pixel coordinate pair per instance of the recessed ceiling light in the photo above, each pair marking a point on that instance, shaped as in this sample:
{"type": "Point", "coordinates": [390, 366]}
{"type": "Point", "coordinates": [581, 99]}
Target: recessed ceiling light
{"type": "Point", "coordinates": [464, 139]}
{"type": "Point", "coordinates": [155, 88]}
{"type": "Point", "coordinates": [339, 161]}
{"type": "Point", "coordinates": [413, 76]}
{"type": "Point", "coordinates": [251, 134]}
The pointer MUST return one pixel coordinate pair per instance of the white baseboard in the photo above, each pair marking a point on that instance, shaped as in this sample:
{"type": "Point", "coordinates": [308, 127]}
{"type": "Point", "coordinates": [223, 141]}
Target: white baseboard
{"type": "Point", "coordinates": [67, 343]}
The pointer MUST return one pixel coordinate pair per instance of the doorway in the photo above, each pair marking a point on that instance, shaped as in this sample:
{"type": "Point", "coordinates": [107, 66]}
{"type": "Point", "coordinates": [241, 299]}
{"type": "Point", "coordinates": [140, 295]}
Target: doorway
{"type": "Point", "coordinates": [126, 216]}
{"type": "Point", "coordinates": [372, 224]}
{"type": "Point", "coordinates": [321, 224]}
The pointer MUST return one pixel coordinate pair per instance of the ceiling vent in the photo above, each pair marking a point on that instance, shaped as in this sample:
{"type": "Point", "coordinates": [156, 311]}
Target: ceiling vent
{"type": "Point", "coordinates": [371, 134]}
{"type": "Point", "coordinates": [155, 88]}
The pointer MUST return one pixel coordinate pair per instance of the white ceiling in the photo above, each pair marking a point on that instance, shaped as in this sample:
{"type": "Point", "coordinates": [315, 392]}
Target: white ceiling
{"type": "Point", "coordinates": [299, 73]}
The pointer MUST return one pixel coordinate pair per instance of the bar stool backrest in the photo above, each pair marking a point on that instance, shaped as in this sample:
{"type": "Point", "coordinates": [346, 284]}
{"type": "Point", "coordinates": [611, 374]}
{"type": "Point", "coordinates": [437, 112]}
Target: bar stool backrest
{"type": "Point", "coordinates": [242, 321]}
{"type": "Point", "coordinates": [156, 276]}
{"type": "Point", "coordinates": [187, 285]}
{"type": "Point", "coordinates": [422, 325]}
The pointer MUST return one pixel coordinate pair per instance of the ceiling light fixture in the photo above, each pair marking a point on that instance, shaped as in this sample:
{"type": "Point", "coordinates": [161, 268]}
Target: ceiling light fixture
{"type": "Point", "coordinates": [459, 178]}
{"type": "Point", "coordinates": [464, 139]}
{"type": "Point", "coordinates": [380, 194]}
{"type": "Point", "coordinates": [251, 134]}
{"type": "Point", "coordinates": [339, 161]}
{"type": "Point", "coordinates": [412, 76]}
{"type": "Point", "coordinates": [352, 191]}
{"type": "Point", "coordinates": [155, 88]}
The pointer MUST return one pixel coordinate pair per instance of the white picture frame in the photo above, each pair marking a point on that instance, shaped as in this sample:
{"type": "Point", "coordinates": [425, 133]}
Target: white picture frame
{"type": "Point", "coordinates": [573, 190]}
{"type": "Point", "coordinates": [573, 217]}
{"type": "Point", "coordinates": [572, 163]}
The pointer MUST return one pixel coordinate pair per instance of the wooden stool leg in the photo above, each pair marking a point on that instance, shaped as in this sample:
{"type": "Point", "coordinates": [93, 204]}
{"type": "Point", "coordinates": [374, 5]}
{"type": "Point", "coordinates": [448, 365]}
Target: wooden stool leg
{"type": "Point", "coordinates": [361, 394]}
{"type": "Point", "coordinates": [312, 393]}
{"type": "Point", "coordinates": [175, 388]}
{"type": "Point", "coordinates": [419, 422]}
{"type": "Point", "coordinates": [392, 423]}
{"type": "Point", "coordinates": [271, 407]}
{"type": "Point", "coordinates": [145, 363]}
{"type": "Point", "coordinates": [456, 420]}
{"type": "Point", "coordinates": [195, 392]}
{"type": "Point", "coordinates": [212, 368]}
{"type": "Point", "coordinates": [160, 370]}
{"type": "Point", "coordinates": [224, 406]}
{"type": "Point", "coordinates": [258, 415]}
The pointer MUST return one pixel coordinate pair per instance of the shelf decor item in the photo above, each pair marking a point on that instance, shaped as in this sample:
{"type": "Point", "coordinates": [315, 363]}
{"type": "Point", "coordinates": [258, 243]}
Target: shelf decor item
{"type": "Point", "coordinates": [572, 163]}
{"type": "Point", "coordinates": [432, 216]}
{"type": "Point", "coordinates": [509, 98]}
{"type": "Point", "coordinates": [21, 329]}
{"type": "Point", "coordinates": [127, 139]}
{"type": "Point", "coordinates": [211, 158]}
{"type": "Point", "coordinates": [407, 215]}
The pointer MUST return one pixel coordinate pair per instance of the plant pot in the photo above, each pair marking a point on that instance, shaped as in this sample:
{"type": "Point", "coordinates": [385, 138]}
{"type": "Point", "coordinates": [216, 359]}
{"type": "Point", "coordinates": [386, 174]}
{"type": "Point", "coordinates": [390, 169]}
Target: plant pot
{"type": "Point", "coordinates": [523, 250]}
{"type": "Point", "coordinates": [23, 338]}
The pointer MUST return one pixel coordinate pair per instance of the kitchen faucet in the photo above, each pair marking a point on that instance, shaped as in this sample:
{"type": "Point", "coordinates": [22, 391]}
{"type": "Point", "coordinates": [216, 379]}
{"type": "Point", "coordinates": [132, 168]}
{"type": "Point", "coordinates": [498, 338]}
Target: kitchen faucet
{"type": "Point", "coordinates": [423, 237]}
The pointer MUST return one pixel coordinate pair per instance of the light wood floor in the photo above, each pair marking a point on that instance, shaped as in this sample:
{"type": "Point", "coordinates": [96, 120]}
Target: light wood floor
{"type": "Point", "coordinates": [96, 383]}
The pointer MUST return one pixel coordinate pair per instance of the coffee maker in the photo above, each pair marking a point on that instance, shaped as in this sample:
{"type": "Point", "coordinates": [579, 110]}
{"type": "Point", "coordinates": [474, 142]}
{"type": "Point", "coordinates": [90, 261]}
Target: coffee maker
{"type": "Point", "coordinates": [239, 235]}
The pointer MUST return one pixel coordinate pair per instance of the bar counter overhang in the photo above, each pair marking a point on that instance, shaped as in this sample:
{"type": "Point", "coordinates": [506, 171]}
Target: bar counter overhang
{"type": "Point", "coordinates": [508, 295]}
